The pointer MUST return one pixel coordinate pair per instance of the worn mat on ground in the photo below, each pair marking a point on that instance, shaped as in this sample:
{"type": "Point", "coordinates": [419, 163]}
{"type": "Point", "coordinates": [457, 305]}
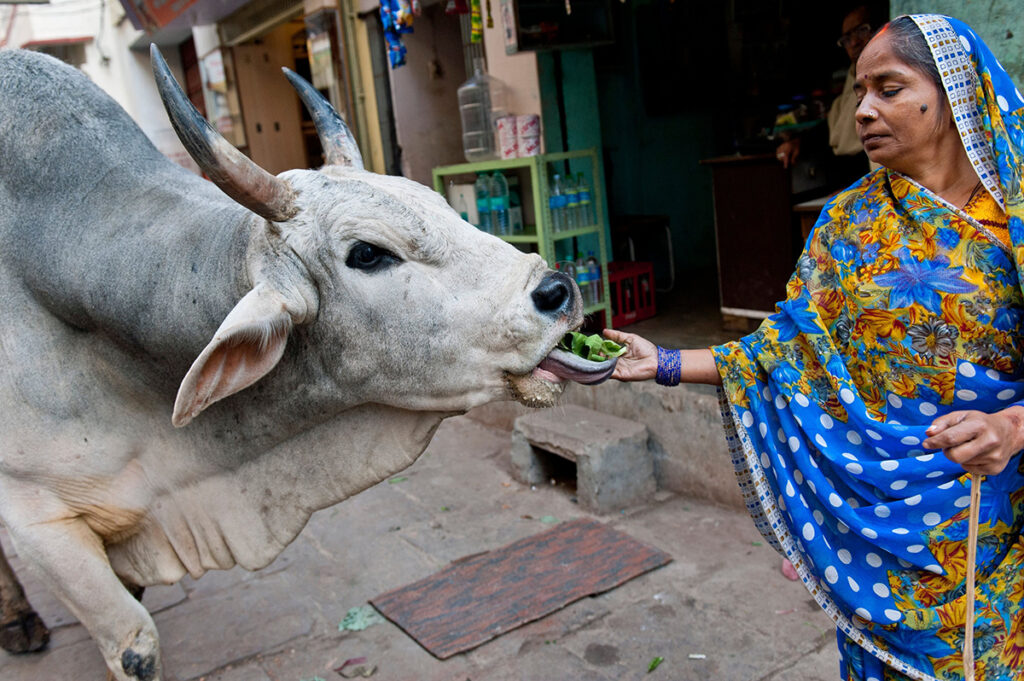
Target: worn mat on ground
{"type": "Point", "coordinates": [485, 595]}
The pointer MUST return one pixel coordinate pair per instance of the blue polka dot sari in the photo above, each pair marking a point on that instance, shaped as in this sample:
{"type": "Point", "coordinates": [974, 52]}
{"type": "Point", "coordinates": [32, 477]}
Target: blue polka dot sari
{"type": "Point", "coordinates": [902, 308]}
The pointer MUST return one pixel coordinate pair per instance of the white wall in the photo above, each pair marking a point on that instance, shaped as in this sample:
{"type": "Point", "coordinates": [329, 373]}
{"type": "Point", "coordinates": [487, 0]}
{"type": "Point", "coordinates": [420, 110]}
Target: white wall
{"type": "Point", "coordinates": [424, 95]}
{"type": "Point", "coordinates": [122, 73]}
{"type": "Point", "coordinates": [517, 71]}
{"type": "Point", "coordinates": [426, 106]}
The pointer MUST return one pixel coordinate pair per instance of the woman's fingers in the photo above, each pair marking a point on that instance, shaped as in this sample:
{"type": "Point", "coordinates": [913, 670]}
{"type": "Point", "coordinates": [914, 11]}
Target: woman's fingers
{"type": "Point", "coordinates": [962, 453]}
{"type": "Point", "coordinates": [616, 335]}
{"type": "Point", "coordinates": [945, 421]}
{"type": "Point", "coordinates": [986, 464]}
{"type": "Point", "coordinates": [951, 429]}
{"type": "Point", "coordinates": [640, 361]}
{"type": "Point", "coordinates": [636, 346]}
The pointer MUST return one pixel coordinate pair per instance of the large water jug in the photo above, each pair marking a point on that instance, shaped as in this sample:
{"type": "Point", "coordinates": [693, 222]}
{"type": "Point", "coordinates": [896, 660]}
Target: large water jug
{"type": "Point", "coordinates": [481, 103]}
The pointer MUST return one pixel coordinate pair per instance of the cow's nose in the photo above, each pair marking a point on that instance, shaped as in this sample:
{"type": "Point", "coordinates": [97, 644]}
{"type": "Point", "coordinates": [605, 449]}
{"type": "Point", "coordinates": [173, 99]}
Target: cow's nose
{"type": "Point", "coordinates": [553, 292]}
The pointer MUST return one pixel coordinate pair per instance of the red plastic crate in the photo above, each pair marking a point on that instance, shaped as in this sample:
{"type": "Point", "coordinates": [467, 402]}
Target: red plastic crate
{"type": "Point", "coordinates": [632, 291]}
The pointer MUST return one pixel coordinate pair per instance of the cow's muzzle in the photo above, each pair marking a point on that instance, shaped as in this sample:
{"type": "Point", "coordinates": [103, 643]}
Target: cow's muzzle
{"type": "Point", "coordinates": [555, 295]}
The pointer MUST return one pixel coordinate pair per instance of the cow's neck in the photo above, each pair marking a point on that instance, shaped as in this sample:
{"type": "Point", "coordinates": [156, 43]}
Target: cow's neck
{"type": "Point", "coordinates": [248, 515]}
{"type": "Point", "coordinates": [157, 284]}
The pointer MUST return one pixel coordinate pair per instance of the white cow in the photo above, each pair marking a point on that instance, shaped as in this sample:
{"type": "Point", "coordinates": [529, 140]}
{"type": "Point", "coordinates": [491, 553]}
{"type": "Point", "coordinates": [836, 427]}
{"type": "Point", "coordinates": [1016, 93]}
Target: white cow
{"type": "Point", "coordinates": [306, 336]}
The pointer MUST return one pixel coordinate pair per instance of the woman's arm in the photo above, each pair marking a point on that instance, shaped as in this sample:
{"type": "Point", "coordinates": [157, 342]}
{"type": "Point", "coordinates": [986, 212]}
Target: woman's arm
{"type": "Point", "coordinates": [640, 362]}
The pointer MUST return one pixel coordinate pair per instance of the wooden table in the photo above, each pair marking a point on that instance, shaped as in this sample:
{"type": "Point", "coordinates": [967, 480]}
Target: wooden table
{"type": "Point", "coordinates": [808, 212]}
{"type": "Point", "coordinates": [754, 234]}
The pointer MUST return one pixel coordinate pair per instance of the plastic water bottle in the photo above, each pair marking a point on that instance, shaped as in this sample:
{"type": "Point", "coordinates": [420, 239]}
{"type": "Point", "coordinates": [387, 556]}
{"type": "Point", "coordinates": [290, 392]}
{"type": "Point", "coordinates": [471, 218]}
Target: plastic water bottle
{"type": "Point", "coordinates": [572, 204]}
{"type": "Point", "coordinates": [457, 201]}
{"type": "Point", "coordinates": [569, 268]}
{"type": "Point", "coordinates": [583, 279]}
{"type": "Point", "coordinates": [586, 209]}
{"type": "Point", "coordinates": [515, 206]}
{"type": "Point", "coordinates": [594, 270]}
{"type": "Point", "coordinates": [499, 204]}
{"type": "Point", "coordinates": [482, 189]}
{"type": "Point", "coordinates": [557, 204]}
{"type": "Point", "coordinates": [481, 103]}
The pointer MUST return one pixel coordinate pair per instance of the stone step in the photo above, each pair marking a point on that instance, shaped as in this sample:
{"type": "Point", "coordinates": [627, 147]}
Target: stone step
{"type": "Point", "coordinates": [614, 465]}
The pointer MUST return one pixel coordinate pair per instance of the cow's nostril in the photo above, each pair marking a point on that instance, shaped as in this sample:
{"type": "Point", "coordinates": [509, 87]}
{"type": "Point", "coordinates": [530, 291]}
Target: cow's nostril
{"type": "Point", "coordinates": [553, 292]}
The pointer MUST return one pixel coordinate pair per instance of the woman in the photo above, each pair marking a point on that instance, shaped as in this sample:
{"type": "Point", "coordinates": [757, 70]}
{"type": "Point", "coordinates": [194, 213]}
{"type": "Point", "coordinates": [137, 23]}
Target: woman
{"type": "Point", "coordinates": [901, 335]}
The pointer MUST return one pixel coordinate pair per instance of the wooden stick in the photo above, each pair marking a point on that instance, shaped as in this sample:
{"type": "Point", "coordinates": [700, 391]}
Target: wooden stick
{"type": "Point", "coordinates": [972, 550]}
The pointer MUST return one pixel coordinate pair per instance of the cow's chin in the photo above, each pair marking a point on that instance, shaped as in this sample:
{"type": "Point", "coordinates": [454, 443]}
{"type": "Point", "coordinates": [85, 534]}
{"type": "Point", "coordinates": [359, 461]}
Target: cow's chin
{"type": "Point", "coordinates": [539, 388]}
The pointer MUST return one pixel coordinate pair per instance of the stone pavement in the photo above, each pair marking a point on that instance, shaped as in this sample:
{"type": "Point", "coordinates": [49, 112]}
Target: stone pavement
{"type": "Point", "coordinates": [722, 597]}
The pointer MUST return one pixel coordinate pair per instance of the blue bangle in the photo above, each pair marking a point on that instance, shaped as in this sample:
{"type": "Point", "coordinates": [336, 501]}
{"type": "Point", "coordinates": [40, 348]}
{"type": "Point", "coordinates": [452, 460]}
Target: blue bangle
{"type": "Point", "coordinates": [670, 367]}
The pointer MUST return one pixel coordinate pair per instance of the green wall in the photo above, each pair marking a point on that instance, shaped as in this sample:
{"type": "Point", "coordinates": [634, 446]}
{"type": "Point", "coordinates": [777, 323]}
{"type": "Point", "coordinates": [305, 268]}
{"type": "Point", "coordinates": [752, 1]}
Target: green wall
{"type": "Point", "coordinates": [582, 122]}
{"type": "Point", "coordinates": [650, 164]}
{"type": "Point", "coordinates": [654, 169]}
{"type": "Point", "coordinates": [1000, 23]}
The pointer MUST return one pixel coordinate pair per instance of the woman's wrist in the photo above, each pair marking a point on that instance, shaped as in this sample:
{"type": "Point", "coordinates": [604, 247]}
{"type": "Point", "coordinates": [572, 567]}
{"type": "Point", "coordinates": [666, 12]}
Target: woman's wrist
{"type": "Point", "coordinates": [1015, 415]}
{"type": "Point", "coordinates": [670, 367]}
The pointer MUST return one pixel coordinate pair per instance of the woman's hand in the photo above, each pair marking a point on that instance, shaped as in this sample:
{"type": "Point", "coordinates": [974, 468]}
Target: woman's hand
{"type": "Point", "coordinates": [981, 443]}
{"type": "Point", "coordinates": [788, 151]}
{"type": "Point", "coordinates": [640, 361]}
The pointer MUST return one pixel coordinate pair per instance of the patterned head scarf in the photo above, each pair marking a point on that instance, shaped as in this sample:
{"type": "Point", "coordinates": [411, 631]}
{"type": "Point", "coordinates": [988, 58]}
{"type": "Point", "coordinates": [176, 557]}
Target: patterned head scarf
{"type": "Point", "coordinates": [987, 107]}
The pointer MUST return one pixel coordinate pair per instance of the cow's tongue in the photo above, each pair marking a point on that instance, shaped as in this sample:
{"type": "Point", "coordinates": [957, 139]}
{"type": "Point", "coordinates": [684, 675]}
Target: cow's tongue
{"type": "Point", "coordinates": [566, 365]}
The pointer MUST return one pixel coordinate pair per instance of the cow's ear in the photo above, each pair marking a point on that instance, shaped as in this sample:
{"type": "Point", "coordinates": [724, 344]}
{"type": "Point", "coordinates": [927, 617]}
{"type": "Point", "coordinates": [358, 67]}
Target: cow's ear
{"type": "Point", "coordinates": [248, 344]}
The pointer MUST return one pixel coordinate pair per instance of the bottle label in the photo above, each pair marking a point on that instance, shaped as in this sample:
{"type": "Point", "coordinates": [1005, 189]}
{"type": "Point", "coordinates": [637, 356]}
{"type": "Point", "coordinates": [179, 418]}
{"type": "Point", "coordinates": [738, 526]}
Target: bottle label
{"type": "Point", "coordinates": [573, 200]}
{"type": "Point", "coordinates": [559, 201]}
{"type": "Point", "coordinates": [584, 197]}
{"type": "Point", "coordinates": [483, 205]}
{"type": "Point", "coordinates": [499, 203]}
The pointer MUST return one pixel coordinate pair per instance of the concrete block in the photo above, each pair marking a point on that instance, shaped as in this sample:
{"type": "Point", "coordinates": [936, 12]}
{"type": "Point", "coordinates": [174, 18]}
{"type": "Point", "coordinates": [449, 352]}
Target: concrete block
{"type": "Point", "coordinates": [684, 423]}
{"type": "Point", "coordinates": [614, 466]}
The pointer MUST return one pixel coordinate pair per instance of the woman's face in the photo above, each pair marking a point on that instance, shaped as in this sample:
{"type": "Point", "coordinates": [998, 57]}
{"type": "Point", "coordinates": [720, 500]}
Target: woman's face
{"type": "Point", "coordinates": [894, 130]}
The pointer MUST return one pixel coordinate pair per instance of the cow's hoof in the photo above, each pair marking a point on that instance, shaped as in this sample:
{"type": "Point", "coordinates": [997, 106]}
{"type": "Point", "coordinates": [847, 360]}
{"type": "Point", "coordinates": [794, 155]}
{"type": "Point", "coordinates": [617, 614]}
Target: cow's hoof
{"type": "Point", "coordinates": [142, 667]}
{"type": "Point", "coordinates": [26, 634]}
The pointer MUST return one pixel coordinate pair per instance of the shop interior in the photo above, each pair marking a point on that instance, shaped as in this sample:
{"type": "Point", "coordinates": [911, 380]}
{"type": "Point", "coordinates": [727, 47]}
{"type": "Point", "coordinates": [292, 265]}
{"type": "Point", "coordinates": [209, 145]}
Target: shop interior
{"type": "Point", "coordinates": [255, 107]}
{"type": "Point", "coordinates": [692, 100]}
{"type": "Point", "coordinates": [694, 82]}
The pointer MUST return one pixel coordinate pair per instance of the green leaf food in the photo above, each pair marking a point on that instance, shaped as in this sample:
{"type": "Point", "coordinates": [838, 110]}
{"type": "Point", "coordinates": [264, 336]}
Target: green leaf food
{"type": "Point", "coordinates": [357, 619]}
{"type": "Point", "coordinates": [579, 345]}
{"type": "Point", "coordinates": [594, 348]}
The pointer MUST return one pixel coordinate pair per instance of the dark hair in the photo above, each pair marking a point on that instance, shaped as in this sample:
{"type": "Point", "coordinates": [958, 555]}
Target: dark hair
{"type": "Point", "coordinates": [910, 47]}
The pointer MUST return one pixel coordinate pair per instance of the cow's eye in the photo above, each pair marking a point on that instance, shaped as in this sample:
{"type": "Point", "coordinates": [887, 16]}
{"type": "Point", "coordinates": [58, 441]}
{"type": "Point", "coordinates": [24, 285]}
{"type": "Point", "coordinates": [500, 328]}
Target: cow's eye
{"type": "Point", "coordinates": [370, 258]}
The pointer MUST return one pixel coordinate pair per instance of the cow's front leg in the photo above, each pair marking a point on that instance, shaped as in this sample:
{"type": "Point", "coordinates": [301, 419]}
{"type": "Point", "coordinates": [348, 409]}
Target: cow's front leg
{"type": "Point", "coordinates": [21, 629]}
{"type": "Point", "coordinates": [71, 558]}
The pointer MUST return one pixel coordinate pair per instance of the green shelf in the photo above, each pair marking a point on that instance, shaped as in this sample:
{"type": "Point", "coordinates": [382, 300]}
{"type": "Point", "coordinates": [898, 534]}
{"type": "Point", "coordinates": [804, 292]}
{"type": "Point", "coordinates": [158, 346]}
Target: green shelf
{"type": "Point", "coordinates": [582, 231]}
{"type": "Point", "coordinates": [527, 237]}
{"type": "Point", "coordinates": [542, 235]}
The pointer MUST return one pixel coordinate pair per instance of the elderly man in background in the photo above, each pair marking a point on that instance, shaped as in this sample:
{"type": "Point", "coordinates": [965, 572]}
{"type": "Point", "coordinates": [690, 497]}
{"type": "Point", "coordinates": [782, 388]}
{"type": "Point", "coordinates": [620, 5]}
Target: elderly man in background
{"type": "Point", "coordinates": [850, 161]}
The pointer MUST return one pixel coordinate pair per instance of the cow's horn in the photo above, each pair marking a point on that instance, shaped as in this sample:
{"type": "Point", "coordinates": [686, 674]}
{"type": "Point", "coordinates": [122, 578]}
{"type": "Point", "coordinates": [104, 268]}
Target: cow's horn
{"type": "Point", "coordinates": [340, 148]}
{"type": "Point", "coordinates": [228, 168]}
